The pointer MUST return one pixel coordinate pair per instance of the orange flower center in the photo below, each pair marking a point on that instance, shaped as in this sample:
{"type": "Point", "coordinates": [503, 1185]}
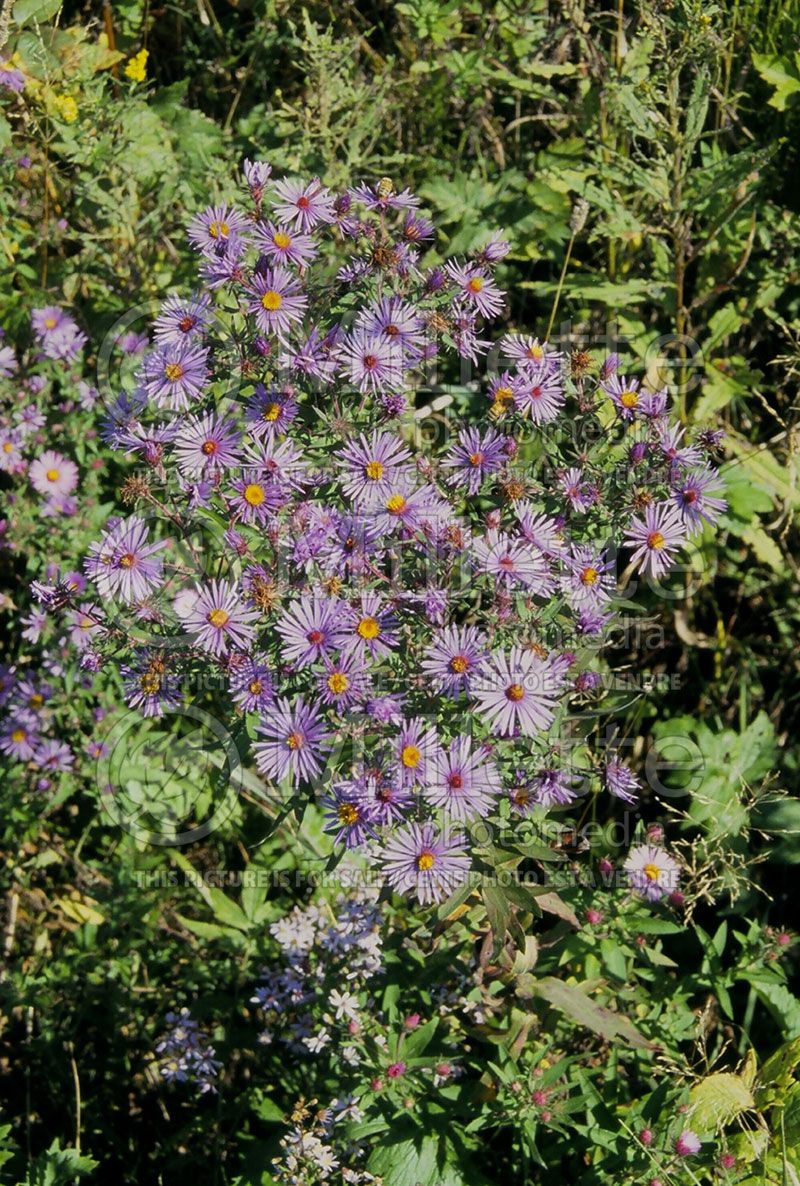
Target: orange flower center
{"type": "Point", "coordinates": [589, 576]}
{"type": "Point", "coordinates": [459, 664]}
{"type": "Point", "coordinates": [347, 813]}
{"type": "Point", "coordinates": [475, 284]}
{"type": "Point", "coordinates": [656, 541]}
{"type": "Point", "coordinates": [127, 561]}
{"type": "Point", "coordinates": [515, 692]}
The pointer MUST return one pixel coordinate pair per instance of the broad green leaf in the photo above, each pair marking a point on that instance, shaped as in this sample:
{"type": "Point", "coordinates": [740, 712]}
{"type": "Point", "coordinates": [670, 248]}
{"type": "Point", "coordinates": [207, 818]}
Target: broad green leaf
{"type": "Point", "coordinates": [717, 1100]}
{"type": "Point", "coordinates": [603, 1021]}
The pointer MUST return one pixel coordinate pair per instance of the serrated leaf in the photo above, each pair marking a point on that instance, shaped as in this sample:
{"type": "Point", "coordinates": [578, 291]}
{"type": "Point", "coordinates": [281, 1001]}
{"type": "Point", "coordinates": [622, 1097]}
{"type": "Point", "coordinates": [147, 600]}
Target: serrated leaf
{"type": "Point", "coordinates": [717, 1100]}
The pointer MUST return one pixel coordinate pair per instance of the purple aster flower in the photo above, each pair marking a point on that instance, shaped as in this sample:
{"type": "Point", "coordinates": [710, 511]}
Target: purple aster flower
{"type": "Point", "coordinates": [409, 508]}
{"type": "Point", "coordinates": [476, 288]}
{"type": "Point", "coordinates": [303, 203]}
{"type": "Point", "coordinates": [270, 412]}
{"type": "Point", "coordinates": [590, 579]}
{"type": "Point", "coordinates": [8, 362]}
{"type": "Point", "coordinates": [388, 801]}
{"type": "Point", "coordinates": [591, 622]}
{"type": "Point", "coordinates": [387, 708]}
{"type": "Point", "coordinates": [212, 231]}
{"type": "Point", "coordinates": [538, 393]}
{"type": "Point", "coordinates": [123, 564]}
{"type": "Point", "coordinates": [206, 444]}
{"type": "Point", "coordinates": [420, 860]}
{"type": "Point", "coordinates": [343, 683]}
{"type": "Point", "coordinates": [512, 562]}
{"type": "Point", "coordinates": [277, 300]}
{"type": "Point", "coordinates": [397, 321]}
{"type": "Point", "coordinates": [416, 229]}
{"type": "Point", "coordinates": [316, 357]}
{"type": "Point", "coordinates": [527, 351]}
{"type": "Point", "coordinates": [456, 656]}
{"type": "Point", "coordinates": [371, 464]}
{"type": "Point", "coordinates": [349, 546]}
{"type": "Point", "coordinates": [34, 624]}
{"type": "Point", "coordinates": [671, 445]}
{"type": "Point", "coordinates": [311, 630]}
{"type": "Point", "coordinates": [252, 685]}
{"type": "Point", "coordinates": [624, 393]}
{"type": "Point", "coordinates": [256, 175]}
{"type": "Point", "coordinates": [85, 624]}
{"type": "Point", "coordinates": [475, 456]}
{"type": "Point", "coordinates": [653, 404]}
{"type": "Point", "coordinates": [219, 621]}
{"type": "Point", "coordinates": [284, 245]}
{"type": "Point", "coordinates": [384, 196]}
{"type": "Point", "coordinates": [175, 373]}
{"type": "Point", "coordinates": [463, 782]}
{"type": "Point", "coordinates": [19, 736]}
{"type": "Point", "coordinates": [348, 814]}
{"type": "Point", "coordinates": [369, 629]}
{"type": "Point", "coordinates": [656, 538]}
{"type": "Point", "coordinates": [54, 755]}
{"type": "Point", "coordinates": [53, 474]}
{"type": "Point", "coordinates": [8, 681]}
{"type": "Point", "coordinates": [414, 747]}
{"type": "Point", "coordinates": [696, 495]}
{"type": "Point", "coordinates": [371, 362]}
{"type": "Point", "coordinates": [255, 497]}
{"type": "Point", "coordinates": [621, 782]}
{"type": "Point", "coordinates": [544, 532]}
{"type": "Point", "coordinates": [518, 692]}
{"type": "Point", "coordinates": [11, 440]}
{"type": "Point", "coordinates": [283, 462]}
{"type": "Point", "coordinates": [652, 872]}
{"type": "Point", "coordinates": [295, 742]}
{"type": "Point", "coordinates": [11, 78]}
{"type": "Point", "coordinates": [149, 686]}
{"type": "Point", "coordinates": [465, 337]}
{"type": "Point", "coordinates": [182, 320]}
{"type": "Point", "coordinates": [495, 249]}
{"type": "Point", "coordinates": [551, 787]}
{"type": "Point", "coordinates": [579, 493]}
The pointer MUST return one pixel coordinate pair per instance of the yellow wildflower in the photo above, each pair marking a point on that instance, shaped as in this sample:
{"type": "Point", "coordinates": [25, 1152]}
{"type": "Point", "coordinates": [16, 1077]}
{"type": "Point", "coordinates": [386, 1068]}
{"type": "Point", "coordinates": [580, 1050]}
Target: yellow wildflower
{"type": "Point", "coordinates": [67, 108]}
{"type": "Point", "coordinates": [137, 66]}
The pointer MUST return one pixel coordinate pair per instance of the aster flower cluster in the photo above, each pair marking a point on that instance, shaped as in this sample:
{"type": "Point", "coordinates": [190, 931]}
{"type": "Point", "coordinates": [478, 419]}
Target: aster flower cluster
{"type": "Point", "coordinates": [315, 994]}
{"type": "Point", "coordinates": [186, 1055]}
{"type": "Point", "coordinates": [405, 626]}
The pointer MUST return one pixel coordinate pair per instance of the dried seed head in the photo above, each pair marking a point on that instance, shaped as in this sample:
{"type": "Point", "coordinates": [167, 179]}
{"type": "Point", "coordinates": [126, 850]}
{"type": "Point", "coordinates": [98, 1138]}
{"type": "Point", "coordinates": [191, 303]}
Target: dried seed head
{"type": "Point", "coordinates": [134, 489]}
{"type": "Point", "coordinates": [580, 212]}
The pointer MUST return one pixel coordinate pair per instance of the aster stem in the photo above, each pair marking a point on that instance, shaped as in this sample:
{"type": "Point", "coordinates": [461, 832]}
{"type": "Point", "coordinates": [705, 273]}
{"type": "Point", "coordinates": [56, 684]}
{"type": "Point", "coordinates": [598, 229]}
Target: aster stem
{"type": "Point", "coordinates": [561, 278]}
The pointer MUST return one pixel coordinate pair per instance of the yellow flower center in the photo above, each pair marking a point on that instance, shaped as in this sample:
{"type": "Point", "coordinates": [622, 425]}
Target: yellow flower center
{"type": "Point", "coordinates": [150, 683]}
{"type": "Point", "coordinates": [459, 664]}
{"type": "Point", "coordinates": [272, 412]}
{"type": "Point", "coordinates": [8, 447]}
{"type": "Point", "coordinates": [218, 230]}
{"type": "Point", "coordinates": [209, 448]}
{"type": "Point", "coordinates": [271, 300]}
{"type": "Point", "coordinates": [410, 757]}
{"type": "Point", "coordinates": [254, 494]}
{"type": "Point", "coordinates": [254, 687]}
{"type": "Point", "coordinates": [338, 682]}
{"type": "Point", "coordinates": [368, 628]}
{"type": "Point", "coordinates": [503, 395]}
{"type": "Point", "coordinates": [656, 541]}
{"type": "Point", "coordinates": [52, 475]}
{"type": "Point", "coordinates": [50, 323]}
{"type": "Point", "coordinates": [18, 735]}
{"type": "Point", "coordinates": [294, 741]}
{"type": "Point", "coordinates": [515, 692]}
{"type": "Point", "coordinates": [395, 503]}
{"type": "Point", "coordinates": [282, 240]}
{"type": "Point", "coordinates": [36, 700]}
{"type": "Point", "coordinates": [652, 872]}
{"type": "Point", "coordinates": [219, 618]}
{"type": "Point", "coordinates": [173, 371]}
{"type": "Point", "coordinates": [520, 796]}
{"type": "Point", "coordinates": [629, 399]}
{"type": "Point", "coordinates": [426, 860]}
{"type": "Point", "coordinates": [536, 353]}
{"type": "Point", "coordinates": [475, 284]}
{"type": "Point", "coordinates": [589, 576]}
{"type": "Point", "coordinates": [374, 470]}
{"type": "Point", "coordinates": [347, 813]}
{"type": "Point", "coordinates": [127, 561]}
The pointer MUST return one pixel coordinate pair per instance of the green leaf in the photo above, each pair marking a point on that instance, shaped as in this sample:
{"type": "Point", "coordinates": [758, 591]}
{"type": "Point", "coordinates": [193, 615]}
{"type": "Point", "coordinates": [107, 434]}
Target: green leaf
{"type": "Point", "coordinates": [26, 11]}
{"type": "Point", "coordinates": [782, 73]}
{"type": "Point", "coordinates": [576, 1004]}
{"type": "Point", "coordinates": [717, 1100]}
